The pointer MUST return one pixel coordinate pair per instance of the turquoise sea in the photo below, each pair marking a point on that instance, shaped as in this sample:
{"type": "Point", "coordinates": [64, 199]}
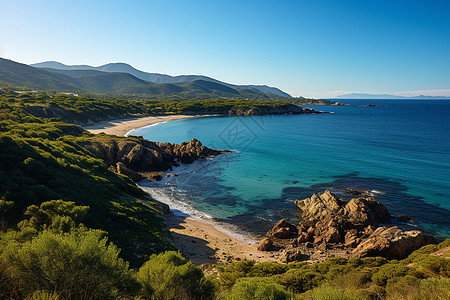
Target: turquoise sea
{"type": "Point", "coordinates": [398, 151]}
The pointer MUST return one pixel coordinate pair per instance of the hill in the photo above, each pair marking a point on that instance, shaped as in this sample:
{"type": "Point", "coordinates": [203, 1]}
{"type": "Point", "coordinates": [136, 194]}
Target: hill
{"type": "Point", "coordinates": [156, 77]}
{"type": "Point", "coordinates": [17, 74]}
{"type": "Point", "coordinates": [89, 80]}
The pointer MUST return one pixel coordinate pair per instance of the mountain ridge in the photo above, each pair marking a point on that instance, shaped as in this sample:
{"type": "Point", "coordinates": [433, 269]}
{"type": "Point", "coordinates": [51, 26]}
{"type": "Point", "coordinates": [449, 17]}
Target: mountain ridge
{"type": "Point", "coordinates": [154, 77]}
{"type": "Point", "coordinates": [89, 80]}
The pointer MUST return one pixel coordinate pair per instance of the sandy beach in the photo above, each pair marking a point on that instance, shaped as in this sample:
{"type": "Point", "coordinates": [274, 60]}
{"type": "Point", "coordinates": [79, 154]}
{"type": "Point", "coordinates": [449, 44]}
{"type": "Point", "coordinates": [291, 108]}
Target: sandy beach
{"type": "Point", "coordinates": [203, 243]}
{"type": "Point", "coordinates": [122, 126]}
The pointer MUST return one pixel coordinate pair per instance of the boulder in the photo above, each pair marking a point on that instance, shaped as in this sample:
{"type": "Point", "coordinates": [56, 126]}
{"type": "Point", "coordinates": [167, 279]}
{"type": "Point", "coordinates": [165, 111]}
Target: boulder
{"type": "Point", "coordinates": [265, 244]}
{"type": "Point", "coordinates": [282, 230]}
{"type": "Point", "coordinates": [319, 206]}
{"type": "Point", "coordinates": [366, 211]}
{"type": "Point", "coordinates": [293, 255]}
{"type": "Point", "coordinates": [391, 242]}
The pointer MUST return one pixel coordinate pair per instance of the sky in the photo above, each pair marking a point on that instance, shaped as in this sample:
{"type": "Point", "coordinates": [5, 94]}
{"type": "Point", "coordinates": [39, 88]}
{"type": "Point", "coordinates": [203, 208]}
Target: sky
{"type": "Point", "coordinates": [307, 48]}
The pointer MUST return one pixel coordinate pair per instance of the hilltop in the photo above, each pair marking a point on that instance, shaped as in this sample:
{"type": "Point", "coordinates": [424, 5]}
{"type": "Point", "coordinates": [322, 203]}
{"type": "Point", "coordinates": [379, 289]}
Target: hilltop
{"type": "Point", "coordinates": [156, 77]}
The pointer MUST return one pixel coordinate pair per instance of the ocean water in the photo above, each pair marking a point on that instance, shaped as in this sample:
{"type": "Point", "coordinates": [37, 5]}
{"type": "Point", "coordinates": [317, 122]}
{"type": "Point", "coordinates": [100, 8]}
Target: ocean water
{"type": "Point", "coordinates": [398, 151]}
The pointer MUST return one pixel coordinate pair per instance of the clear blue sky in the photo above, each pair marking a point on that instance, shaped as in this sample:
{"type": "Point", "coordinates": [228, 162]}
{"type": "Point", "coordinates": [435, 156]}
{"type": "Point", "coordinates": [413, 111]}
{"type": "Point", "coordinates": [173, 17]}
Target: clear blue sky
{"type": "Point", "coordinates": [310, 48]}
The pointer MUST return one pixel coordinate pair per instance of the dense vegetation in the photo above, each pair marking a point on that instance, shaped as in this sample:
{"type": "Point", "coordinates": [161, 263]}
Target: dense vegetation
{"type": "Point", "coordinates": [84, 110]}
{"type": "Point", "coordinates": [41, 160]}
{"type": "Point", "coordinates": [74, 229]}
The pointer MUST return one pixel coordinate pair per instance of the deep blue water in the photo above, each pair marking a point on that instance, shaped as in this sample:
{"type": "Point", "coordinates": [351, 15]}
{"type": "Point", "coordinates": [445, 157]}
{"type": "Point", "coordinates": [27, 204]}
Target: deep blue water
{"type": "Point", "coordinates": [400, 152]}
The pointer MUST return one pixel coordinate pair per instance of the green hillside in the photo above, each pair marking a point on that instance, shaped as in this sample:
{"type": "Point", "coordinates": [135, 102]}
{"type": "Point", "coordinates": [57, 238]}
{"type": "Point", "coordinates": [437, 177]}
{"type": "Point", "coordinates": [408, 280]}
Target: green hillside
{"type": "Point", "coordinates": [17, 74]}
{"type": "Point", "coordinates": [97, 82]}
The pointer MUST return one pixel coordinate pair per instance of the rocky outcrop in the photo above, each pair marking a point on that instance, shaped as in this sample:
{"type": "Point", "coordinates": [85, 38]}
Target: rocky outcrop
{"type": "Point", "coordinates": [122, 169]}
{"type": "Point", "coordinates": [131, 156]}
{"type": "Point", "coordinates": [188, 152]}
{"type": "Point", "coordinates": [392, 242]}
{"type": "Point", "coordinates": [285, 109]}
{"type": "Point", "coordinates": [319, 206]}
{"type": "Point", "coordinates": [331, 226]}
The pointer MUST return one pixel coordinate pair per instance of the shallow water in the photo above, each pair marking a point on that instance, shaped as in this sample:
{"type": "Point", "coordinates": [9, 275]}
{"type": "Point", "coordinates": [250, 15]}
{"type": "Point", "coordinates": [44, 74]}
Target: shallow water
{"type": "Point", "coordinates": [399, 153]}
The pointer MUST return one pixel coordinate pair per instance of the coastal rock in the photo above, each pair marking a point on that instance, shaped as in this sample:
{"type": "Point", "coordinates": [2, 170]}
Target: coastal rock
{"type": "Point", "coordinates": [404, 219]}
{"type": "Point", "coordinates": [293, 255]}
{"type": "Point", "coordinates": [332, 226]}
{"type": "Point", "coordinates": [139, 155]}
{"type": "Point", "coordinates": [284, 109]}
{"type": "Point", "coordinates": [122, 169]}
{"type": "Point", "coordinates": [392, 242]}
{"type": "Point", "coordinates": [366, 211]}
{"type": "Point", "coordinates": [265, 244]}
{"type": "Point", "coordinates": [351, 238]}
{"type": "Point", "coordinates": [188, 152]}
{"type": "Point", "coordinates": [319, 206]}
{"type": "Point", "coordinates": [282, 230]}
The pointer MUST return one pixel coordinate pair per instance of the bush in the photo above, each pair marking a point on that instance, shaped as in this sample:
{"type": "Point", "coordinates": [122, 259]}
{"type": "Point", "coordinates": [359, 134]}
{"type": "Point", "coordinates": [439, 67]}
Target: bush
{"type": "Point", "coordinates": [256, 288]}
{"type": "Point", "coordinates": [434, 288]}
{"type": "Point", "coordinates": [402, 288]}
{"type": "Point", "coordinates": [330, 292]}
{"type": "Point", "coordinates": [171, 276]}
{"type": "Point", "coordinates": [43, 295]}
{"type": "Point", "coordinates": [387, 272]}
{"type": "Point", "coordinates": [79, 264]}
{"type": "Point", "coordinates": [299, 280]}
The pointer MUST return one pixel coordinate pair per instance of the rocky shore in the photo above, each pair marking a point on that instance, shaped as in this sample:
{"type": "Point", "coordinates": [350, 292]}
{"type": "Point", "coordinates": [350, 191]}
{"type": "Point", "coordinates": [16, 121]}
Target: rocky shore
{"type": "Point", "coordinates": [138, 158]}
{"type": "Point", "coordinates": [333, 227]}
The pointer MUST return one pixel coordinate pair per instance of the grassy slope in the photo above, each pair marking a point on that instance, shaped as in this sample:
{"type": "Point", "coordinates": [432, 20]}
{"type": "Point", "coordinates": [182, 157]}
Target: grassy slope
{"type": "Point", "coordinates": [41, 160]}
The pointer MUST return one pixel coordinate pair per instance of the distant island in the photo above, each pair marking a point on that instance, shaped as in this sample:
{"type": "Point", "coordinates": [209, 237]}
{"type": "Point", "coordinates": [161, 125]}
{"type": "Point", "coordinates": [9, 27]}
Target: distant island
{"type": "Point", "coordinates": [387, 96]}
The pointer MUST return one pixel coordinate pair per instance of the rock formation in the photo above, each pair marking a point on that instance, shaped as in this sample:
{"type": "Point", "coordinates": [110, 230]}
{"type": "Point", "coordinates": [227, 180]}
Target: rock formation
{"type": "Point", "coordinates": [131, 156]}
{"type": "Point", "coordinates": [333, 227]}
{"type": "Point", "coordinates": [392, 242]}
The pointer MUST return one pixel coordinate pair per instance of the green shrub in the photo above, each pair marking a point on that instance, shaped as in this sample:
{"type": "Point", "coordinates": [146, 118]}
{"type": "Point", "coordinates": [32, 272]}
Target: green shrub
{"type": "Point", "coordinates": [43, 295]}
{"type": "Point", "coordinates": [435, 264]}
{"type": "Point", "coordinates": [389, 271]}
{"type": "Point", "coordinates": [256, 288]}
{"type": "Point", "coordinates": [228, 275]}
{"type": "Point", "coordinates": [434, 289]}
{"type": "Point", "coordinates": [299, 280]}
{"type": "Point", "coordinates": [402, 287]}
{"type": "Point", "coordinates": [171, 276]}
{"type": "Point", "coordinates": [79, 264]}
{"type": "Point", "coordinates": [329, 292]}
{"type": "Point", "coordinates": [58, 215]}
{"type": "Point", "coordinates": [267, 269]}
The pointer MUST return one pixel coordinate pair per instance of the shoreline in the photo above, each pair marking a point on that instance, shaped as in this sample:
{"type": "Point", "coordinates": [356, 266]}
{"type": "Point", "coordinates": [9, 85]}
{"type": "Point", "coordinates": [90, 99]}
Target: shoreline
{"type": "Point", "coordinates": [122, 127]}
{"type": "Point", "coordinates": [203, 243]}
{"type": "Point", "coordinates": [198, 240]}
